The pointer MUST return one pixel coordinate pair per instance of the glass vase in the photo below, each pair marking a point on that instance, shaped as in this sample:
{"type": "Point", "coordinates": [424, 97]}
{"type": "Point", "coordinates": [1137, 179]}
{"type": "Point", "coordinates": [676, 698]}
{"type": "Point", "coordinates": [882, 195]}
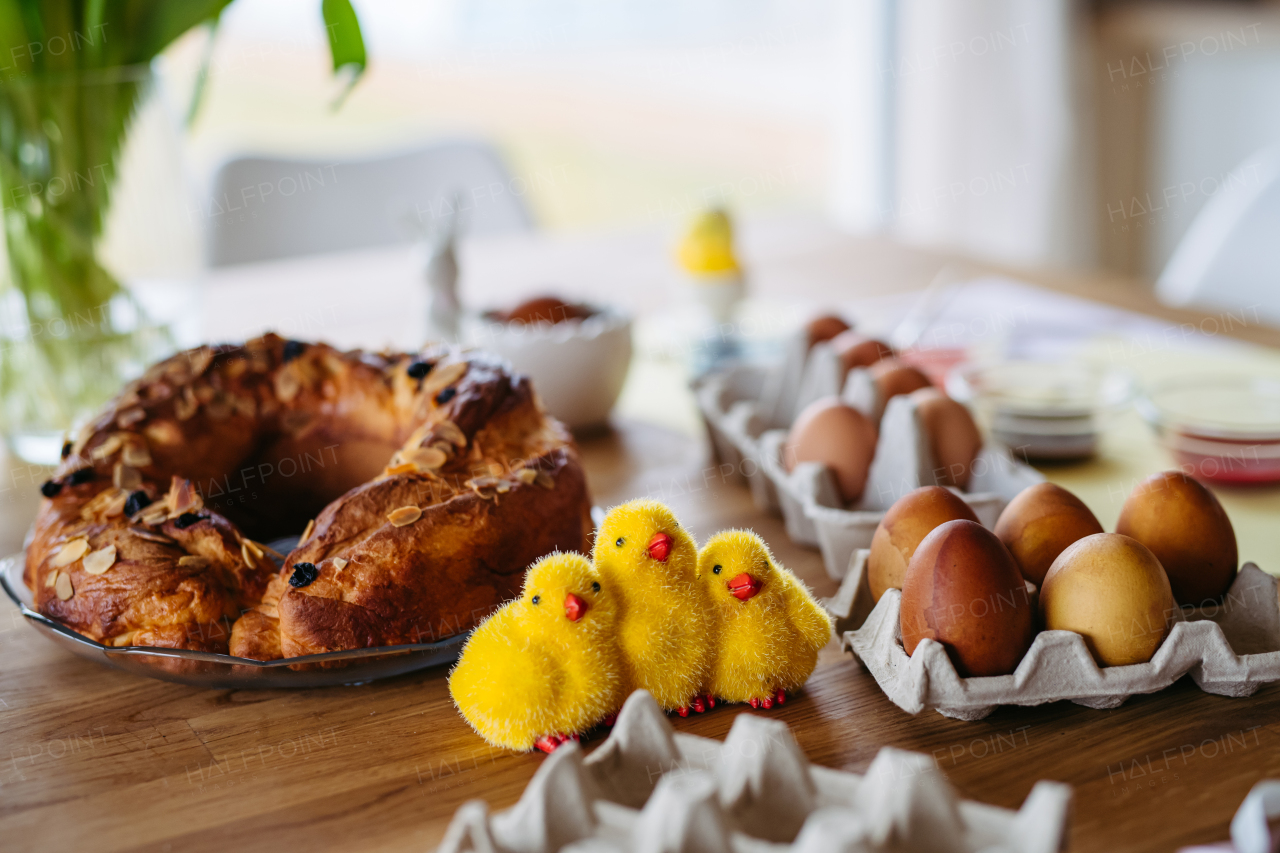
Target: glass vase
{"type": "Point", "coordinates": [71, 331]}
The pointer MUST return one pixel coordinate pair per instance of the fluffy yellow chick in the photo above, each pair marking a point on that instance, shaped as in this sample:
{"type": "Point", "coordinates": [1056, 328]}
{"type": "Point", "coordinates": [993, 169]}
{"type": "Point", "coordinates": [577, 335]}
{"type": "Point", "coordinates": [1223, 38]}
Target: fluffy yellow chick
{"type": "Point", "coordinates": [642, 552]}
{"type": "Point", "coordinates": [546, 666]}
{"type": "Point", "coordinates": [767, 626]}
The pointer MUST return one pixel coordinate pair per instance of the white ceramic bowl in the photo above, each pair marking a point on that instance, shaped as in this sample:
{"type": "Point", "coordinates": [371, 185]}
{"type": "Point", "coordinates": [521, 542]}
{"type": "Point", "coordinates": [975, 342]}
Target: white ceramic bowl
{"type": "Point", "coordinates": [577, 366]}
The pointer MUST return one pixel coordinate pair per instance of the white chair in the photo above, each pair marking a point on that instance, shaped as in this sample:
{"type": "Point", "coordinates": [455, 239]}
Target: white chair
{"type": "Point", "coordinates": [263, 208]}
{"type": "Point", "coordinates": [1229, 259]}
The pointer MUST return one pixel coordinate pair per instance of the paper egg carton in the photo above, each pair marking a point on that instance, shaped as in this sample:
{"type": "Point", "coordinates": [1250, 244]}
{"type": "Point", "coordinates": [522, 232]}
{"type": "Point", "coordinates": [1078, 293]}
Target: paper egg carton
{"type": "Point", "coordinates": [647, 789]}
{"type": "Point", "coordinates": [748, 410]}
{"type": "Point", "coordinates": [1256, 825]}
{"type": "Point", "coordinates": [730, 405]}
{"type": "Point", "coordinates": [1229, 650]}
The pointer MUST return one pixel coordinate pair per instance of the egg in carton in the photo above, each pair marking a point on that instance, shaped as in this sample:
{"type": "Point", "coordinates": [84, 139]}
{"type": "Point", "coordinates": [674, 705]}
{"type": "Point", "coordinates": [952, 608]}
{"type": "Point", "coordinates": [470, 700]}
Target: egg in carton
{"type": "Point", "coordinates": [741, 402]}
{"type": "Point", "coordinates": [647, 788]}
{"type": "Point", "coordinates": [1229, 650]}
{"type": "Point", "coordinates": [749, 410]}
{"type": "Point", "coordinates": [816, 515]}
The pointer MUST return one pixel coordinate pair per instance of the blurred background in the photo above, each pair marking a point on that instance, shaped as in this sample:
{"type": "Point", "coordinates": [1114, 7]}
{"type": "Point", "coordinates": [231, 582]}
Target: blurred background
{"type": "Point", "coordinates": [1119, 154]}
{"type": "Point", "coordinates": [1046, 133]}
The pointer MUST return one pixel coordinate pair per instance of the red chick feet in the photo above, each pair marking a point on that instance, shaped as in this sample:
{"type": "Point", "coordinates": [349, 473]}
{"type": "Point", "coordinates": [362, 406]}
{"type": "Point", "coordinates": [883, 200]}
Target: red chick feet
{"type": "Point", "coordinates": [769, 701]}
{"type": "Point", "coordinates": [610, 720]}
{"type": "Point", "coordinates": [549, 743]}
{"type": "Point", "coordinates": [699, 705]}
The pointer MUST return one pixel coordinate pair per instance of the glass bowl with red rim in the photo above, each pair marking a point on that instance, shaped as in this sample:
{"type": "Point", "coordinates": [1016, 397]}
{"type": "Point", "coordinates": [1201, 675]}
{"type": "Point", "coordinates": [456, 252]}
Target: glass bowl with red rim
{"type": "Point", "coordinates": [1220, 427]}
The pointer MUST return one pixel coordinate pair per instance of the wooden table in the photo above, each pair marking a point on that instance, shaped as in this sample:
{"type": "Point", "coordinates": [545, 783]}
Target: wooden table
{"type": "Point", "coordinates": [91, 757]}
{"type": "Point", "coordinates": [95, 757]}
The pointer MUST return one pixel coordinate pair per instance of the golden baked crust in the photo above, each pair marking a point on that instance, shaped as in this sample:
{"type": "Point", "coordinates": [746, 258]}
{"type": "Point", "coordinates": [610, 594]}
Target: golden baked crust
{"type": "Point", "coordinates": [218, 447]}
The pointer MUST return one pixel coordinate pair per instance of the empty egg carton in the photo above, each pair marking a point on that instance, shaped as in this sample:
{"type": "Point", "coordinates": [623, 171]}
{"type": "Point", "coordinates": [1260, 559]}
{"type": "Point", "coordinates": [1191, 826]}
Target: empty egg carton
{"type": "Point", "coordinates": [730, 405]}
{"type": "Point", "coordinates": [1256, 825]}
{"type": "Point", "coordinates": [1229, 650]}
{"type": "Point", "coordinates": [647, 789]}
{"type": "Point", "coordinates": [748, 410]}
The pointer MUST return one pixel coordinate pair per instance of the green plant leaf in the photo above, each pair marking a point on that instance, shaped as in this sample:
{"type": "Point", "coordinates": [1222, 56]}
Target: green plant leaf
{"type": "Point", "coordinates": [346, 43]}
{"type": "Point", "coordinates": [13, 32]}
{"type": "Point", "coordinates": [94, 31]}
{"type": "Point", "coordinates": [202, 74]}
{"type": "Point", "coordinates": [149, 26]}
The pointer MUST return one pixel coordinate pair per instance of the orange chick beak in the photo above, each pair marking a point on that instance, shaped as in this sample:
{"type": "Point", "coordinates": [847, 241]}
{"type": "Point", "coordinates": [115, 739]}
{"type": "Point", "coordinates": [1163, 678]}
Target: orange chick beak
{"type": "Point", "coordinates": [660, 547]}
{"type": "Point", "coordinates": [574, 607]}
{"type": "Point", "coordinates": [744, 586]}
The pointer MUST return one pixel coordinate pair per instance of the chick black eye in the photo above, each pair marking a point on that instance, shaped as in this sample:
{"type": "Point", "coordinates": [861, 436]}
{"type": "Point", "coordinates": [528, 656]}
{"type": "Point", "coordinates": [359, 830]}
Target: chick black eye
{"type": "Point", "coordinates": [595, 586]}
{"type": "Point", "coordinates": [535, 599]}
{"type": "Point", "coordinates": [715, 570]}
{"type": "Point", "coordinates": [619, 542]}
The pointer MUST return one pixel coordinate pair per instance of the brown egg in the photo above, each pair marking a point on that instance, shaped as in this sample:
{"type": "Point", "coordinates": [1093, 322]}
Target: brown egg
{"type": "Point", "coordinates": [963, 590]}
{"type": "Point", "coordinates": [953, 436]}
{"type": "Point", "coordinates": [857, 350]}
{"type": "Point", "coordinates": [893, 377]}
{"type": "Point", "coordinates": [825, 328]}
{"type": "Point", "coordinates": [1111, 590]}
{"type": "Point", "coordinates": [1188, 530]}
{"type": "Point", "coordinates": [546, 309]}
{"type": "Point", "coordinates": [1040, 523]}
{"type": "Point", "coordinates": [911, 518]}
{"type": "Point", "coordinates": [840, 437]}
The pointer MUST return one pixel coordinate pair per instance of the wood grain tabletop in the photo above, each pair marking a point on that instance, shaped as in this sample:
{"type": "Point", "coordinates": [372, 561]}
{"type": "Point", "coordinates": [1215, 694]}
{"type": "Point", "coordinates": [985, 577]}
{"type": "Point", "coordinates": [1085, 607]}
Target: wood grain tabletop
{"type": "Point", "coordinates": [95, 758]}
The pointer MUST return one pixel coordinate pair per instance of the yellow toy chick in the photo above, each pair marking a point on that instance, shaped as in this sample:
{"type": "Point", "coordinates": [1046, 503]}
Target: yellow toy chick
{"type": "Point", "coordinates": [545, 667]}
{"type": "Point", "coordinates": [768, 627]}
{"type": "Point", "coordinates": [707, 249]}
{"type": "Point", "coordinates": [664, 621]}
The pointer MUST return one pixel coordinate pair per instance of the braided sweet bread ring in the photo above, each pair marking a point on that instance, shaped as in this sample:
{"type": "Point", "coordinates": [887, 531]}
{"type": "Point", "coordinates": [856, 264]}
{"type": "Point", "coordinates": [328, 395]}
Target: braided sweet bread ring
{"type": "Point", "coordinates": [150, 531]}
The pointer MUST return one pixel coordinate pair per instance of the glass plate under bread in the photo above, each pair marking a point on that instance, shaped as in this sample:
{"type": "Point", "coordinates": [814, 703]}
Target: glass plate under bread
{"type": "Point", "coordinates": [207, 669]}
